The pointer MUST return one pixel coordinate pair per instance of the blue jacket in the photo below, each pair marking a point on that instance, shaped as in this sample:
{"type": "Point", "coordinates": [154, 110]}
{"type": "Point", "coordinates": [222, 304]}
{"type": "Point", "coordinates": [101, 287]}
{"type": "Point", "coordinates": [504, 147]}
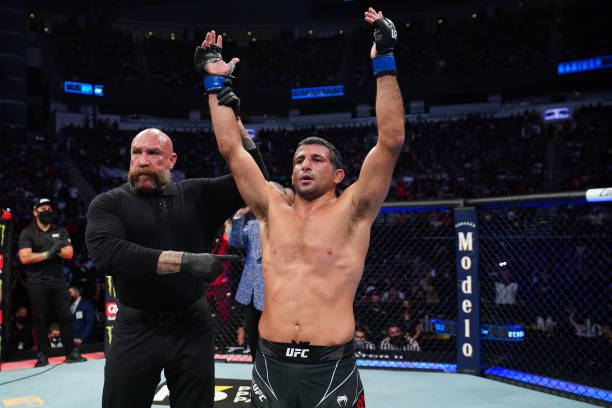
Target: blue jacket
{"type": "Point", "coordinates": [84, 319]}
{"type": "Point", "coordinates": [251, 282]}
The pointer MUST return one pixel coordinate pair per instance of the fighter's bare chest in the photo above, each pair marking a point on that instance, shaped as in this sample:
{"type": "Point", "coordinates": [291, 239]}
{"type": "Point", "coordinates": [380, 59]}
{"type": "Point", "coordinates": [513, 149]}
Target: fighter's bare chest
{"type": "Point", "coordinates": [323, 235]}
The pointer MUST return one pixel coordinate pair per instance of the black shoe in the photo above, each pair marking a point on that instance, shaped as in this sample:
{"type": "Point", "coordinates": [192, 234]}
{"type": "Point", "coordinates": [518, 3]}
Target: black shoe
{"type": "Point", "coordinates": [42, 361]}
{"type": "Point", "coordinates": [75, 357]}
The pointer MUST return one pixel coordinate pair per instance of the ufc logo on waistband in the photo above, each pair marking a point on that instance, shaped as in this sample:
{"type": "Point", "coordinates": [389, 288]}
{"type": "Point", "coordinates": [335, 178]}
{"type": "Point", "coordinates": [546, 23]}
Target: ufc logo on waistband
{"type": "Point", "coordinates": [296, 352]}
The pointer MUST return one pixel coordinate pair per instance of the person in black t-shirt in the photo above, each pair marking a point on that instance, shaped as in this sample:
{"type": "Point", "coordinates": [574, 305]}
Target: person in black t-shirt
{"type": "Point", "coordinates": [42, 247]}
{"type": "Point", "coordinates": [153, 236]}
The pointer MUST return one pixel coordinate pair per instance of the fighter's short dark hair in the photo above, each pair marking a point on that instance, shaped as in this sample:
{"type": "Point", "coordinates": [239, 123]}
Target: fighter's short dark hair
{"type": "Point", "coordinates": [334, 155]}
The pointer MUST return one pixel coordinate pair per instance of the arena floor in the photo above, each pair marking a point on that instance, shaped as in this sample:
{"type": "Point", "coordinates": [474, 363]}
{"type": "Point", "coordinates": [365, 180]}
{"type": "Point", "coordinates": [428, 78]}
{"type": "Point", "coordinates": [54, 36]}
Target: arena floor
{"type": "Point", "coordinates": [80, 386]}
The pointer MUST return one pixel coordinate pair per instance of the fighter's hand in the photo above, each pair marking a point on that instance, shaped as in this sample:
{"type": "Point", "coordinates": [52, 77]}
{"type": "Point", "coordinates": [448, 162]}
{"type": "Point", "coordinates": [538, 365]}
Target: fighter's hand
{"type": "Point", "coordinates": [385, 34]}
{"type": "Point", "coordinates": [208, 59]}
{"type": "Point", "coordinates": [204, 265]}
{"type": "Point", "coordinates": [228, 98]}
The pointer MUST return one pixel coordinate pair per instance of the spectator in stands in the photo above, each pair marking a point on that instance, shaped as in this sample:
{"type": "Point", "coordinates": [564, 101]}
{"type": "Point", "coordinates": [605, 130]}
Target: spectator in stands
{"type": "Point", "coordinates": [360, 341]}
{"type": "Point", "coordinates": [42, 247]}
{"type": "Point", "coordinates": [506, 288]}
{"type": "Point", "coordinates": [54, 335]}
{"type": "Point", "coordinates": [250, 292]}
{"type": "Point", "coordinates": [396, 340]}
{"type": "Point", "coordinates": [418, 296]}
{"type": "Point", "coordinates": [429, 285]}
{"type": "Point", "coordinates": [373, 317]}
{"type": "Point", "coordinates": [83, 316]}
{"type": "Point", "coordinates": [21, 331]}
{"type": "Point", "coordinates": [542, 301]}
{"type": "Point", "coordinates": [393, 295]}
{"type": "Point", "coordinates": [409, 321]}
{"type": "Point", "coordinates": [392, 299]}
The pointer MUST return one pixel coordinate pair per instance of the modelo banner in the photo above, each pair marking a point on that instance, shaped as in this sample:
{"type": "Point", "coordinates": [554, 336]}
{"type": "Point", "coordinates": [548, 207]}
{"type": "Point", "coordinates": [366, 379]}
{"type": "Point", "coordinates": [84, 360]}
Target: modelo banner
{"type": "Point", "coordinates": [111, 308]}
{"type": "Point", "coordinates": [469, 357]}
{"type": "Point", "coordinates": [5, 263]}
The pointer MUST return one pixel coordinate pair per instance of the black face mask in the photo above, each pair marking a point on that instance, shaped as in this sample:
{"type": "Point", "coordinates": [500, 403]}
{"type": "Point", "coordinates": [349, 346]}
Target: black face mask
{"type": "Point", "coordinates": [20, 319]}
{"type": "Point", "coordinates": [45, 217]}
{"type": "Point", "coordinates": [55, 339]}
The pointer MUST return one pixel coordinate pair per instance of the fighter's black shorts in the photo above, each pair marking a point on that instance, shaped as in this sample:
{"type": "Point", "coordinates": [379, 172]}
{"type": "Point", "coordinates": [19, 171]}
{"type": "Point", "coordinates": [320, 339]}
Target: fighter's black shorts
{"type": "Point", "coordinates": [291, 375]}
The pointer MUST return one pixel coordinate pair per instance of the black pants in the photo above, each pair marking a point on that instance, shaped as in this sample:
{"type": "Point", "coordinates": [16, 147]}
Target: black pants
{"type": "Point", "coordinates": [298, 375]}
{"type": "Point", "coordinates": [141, 348]}
{"type": "Point", "coordinates": [53, 293]}
{"type": "Point", "coordinates": [251, 323]}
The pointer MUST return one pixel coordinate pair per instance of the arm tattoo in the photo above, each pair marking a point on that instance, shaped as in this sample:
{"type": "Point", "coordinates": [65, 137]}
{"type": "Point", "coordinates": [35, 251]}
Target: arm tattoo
{"type": "Point", "coordinates": [247, 142]}
{"type": "Point", "coordinates": [169, 262]}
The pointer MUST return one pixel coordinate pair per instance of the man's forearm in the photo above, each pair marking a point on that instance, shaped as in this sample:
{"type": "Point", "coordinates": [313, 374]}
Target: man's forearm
{"type": "Point", "coordinates": [169, 262]}
{"type": "Point", "coordinates": [34, 257]}
{"type": "Point", "coordinates": [224, 125]}
{"type": "Point", "coordinates": [389, 109]}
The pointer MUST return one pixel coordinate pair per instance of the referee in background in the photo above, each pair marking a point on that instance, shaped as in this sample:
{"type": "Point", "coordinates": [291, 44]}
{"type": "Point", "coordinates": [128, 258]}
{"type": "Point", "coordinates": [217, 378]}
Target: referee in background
{"type": "Point", "coordinates": [42, 247]}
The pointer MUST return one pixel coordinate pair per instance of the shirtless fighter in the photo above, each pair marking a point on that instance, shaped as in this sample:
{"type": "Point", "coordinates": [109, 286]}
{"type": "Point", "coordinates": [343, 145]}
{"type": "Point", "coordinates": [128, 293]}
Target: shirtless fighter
{"type": "Point", "coordinates": [313, 250]}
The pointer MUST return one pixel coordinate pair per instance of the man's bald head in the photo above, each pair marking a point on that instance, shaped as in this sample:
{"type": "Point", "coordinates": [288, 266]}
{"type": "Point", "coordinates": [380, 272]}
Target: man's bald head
{"type": "Point", "coordinates": [151, 159]}
{"type": "Point", "coordinates": [151, 134]}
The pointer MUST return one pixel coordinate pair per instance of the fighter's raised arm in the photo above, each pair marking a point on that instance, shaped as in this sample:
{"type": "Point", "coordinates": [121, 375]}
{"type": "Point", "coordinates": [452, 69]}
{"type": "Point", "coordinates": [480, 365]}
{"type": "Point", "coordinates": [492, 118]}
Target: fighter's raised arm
{"type": "Point", "coordinates": [375, 177]}
{"type": "Point", "coordinates": [224, 110]}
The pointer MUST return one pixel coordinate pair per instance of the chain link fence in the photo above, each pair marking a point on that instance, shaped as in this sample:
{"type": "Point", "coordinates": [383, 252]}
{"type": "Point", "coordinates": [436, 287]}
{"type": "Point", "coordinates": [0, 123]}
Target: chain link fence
{"type": "Point", "coordinates": [408, 280]}
{"type": "Point", "coordinates": [547, 268]}
{"type": "Point", "coordinates": [545, 296]}
{"type": "Point", "coordinates": [231, 340]}
{"type": "Point", "coordinates": [545, 273]}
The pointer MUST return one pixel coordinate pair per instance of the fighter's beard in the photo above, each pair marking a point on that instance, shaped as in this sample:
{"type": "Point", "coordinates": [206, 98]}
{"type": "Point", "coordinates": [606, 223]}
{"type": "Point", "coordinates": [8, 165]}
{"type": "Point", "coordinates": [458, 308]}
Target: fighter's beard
{"type": "Point", "coordinates": [159, 184]}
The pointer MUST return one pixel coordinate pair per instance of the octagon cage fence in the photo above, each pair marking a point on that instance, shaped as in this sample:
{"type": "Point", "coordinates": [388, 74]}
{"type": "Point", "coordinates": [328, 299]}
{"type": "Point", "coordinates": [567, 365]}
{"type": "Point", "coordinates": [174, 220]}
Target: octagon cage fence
{"type": "Point", "coordinates": [515, 288]}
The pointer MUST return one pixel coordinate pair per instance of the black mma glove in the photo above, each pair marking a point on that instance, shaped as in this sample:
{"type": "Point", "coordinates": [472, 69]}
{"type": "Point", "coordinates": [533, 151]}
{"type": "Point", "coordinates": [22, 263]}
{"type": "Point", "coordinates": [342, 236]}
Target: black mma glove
{"type": "Point", "coordinates": [55, 249]}
{"type": "Point", "coordinates": [228, 98]}
{"type": "Point", "coordinates": [207, 266]}
{"type": "Point", "coordinates": [205, 56]}
{"type": "Point", "coordinates": [385, 38]}
{"type": "Point", "coordinates": [208, 55]}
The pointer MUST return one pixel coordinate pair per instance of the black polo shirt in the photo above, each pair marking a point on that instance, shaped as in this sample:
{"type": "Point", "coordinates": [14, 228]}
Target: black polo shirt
{"type": "Point", "coordinates": [126, 233]}
{"type": "Point", "coordinates": [41, 241]}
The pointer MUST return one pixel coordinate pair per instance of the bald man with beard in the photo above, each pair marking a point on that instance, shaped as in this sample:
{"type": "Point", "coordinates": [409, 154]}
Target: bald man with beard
{"type": "Point", "coordinates": [153, 236]}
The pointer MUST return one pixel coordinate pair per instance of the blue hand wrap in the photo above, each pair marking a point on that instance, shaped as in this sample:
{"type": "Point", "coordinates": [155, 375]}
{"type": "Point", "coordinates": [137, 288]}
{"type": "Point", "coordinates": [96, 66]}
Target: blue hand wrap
{"type": "Point", "coordinates": [214, 83]}
{"type": "Point", "coordinates": [384, 64]}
